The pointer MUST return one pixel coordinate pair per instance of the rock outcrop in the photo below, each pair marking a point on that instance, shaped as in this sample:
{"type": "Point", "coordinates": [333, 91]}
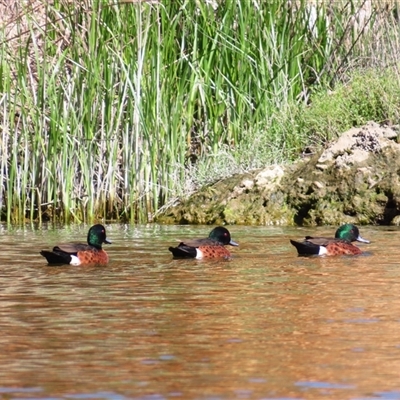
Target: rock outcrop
{"type": "Point", "coordinates": [355, 179]}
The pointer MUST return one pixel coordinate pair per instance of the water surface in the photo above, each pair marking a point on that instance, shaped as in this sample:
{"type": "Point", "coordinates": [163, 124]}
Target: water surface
{"type": "Point", "coordinates": [264, 325]}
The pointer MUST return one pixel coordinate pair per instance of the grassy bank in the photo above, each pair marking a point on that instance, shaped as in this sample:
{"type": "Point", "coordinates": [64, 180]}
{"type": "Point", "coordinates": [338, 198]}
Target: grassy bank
{"type": "Point", "coordinates": [109, 111]}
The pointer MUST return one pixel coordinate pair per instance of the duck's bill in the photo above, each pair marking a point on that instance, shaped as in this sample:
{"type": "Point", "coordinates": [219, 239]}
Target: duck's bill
{"type": "Point", "coordinates": [107, 241]}
{"type": "Point", "coordinates": [232, 243]}
{"type": "Point", "coordinates": [360, 239]}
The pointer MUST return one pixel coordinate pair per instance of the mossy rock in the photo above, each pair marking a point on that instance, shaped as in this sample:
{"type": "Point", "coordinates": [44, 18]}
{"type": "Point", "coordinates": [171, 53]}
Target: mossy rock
{"type": "Point", "coordinates": [355, 180]}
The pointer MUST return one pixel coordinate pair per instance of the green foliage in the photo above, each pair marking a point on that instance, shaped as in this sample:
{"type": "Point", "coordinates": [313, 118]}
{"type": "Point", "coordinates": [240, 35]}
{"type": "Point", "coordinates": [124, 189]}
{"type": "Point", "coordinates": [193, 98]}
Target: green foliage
{"type": "Point", "coordinates": [369, 95]}
{"type": "Point", "coordinates": [105, 106]}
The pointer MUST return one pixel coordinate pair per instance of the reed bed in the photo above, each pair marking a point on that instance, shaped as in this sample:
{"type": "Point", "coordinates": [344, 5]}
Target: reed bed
{"type": "Point", "coordinates": [108, 111]}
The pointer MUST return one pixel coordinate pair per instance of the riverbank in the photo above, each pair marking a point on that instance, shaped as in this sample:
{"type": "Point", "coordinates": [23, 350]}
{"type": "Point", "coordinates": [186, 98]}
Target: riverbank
{"type": "Point", "coordinates": [108, 112]}
{"type": "Point", "coordinates": [355, 179]}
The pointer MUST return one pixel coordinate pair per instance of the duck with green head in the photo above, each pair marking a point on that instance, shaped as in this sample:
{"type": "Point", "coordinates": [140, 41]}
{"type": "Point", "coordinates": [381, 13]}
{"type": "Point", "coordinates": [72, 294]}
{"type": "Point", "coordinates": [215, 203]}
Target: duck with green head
{"type": "Point", "coordinates": [211, 247]}
{"type": "Point", "coordinates": [341, 244]}
{"type": "Point", "coordinates": [91, 253]}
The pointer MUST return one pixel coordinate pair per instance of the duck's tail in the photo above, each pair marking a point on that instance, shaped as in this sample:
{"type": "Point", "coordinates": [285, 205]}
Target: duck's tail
{"type": "Point", "coordinates": [183, 251]}
{"type": "Point", "coordinates": [306, 248]}
{"type": "Point", "coordinates": [56, 258]}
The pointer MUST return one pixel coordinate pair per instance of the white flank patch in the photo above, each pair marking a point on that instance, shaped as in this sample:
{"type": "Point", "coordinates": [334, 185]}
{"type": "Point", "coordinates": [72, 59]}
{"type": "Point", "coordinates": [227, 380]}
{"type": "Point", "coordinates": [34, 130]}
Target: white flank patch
{"type": "Point", "coordinates": [75, 260]}
{"type": "Point", "coordinates": [322, 250]}
{"type": "Point", "coordinates": [199, 254]}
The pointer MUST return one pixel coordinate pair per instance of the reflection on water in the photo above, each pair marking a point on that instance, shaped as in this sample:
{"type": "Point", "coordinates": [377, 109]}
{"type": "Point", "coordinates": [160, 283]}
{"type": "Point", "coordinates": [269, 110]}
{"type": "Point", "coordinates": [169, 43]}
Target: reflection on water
{"type": "Point", "coordinates": [265, 325]}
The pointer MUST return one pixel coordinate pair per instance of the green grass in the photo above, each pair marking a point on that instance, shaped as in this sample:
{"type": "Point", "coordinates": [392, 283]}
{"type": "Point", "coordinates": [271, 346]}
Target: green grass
{"type": "Point", "coordinates": [371, 94]}
{"type": "Point", "coordinates": [367, 95]}
{"type": "Point", "coordinates": [109, 111]}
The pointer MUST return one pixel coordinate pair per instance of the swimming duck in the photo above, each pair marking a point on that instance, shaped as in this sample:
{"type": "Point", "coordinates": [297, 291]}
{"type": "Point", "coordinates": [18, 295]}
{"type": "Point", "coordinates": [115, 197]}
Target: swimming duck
{"type": "Point", "coordinates": [81, 254]}
{"type": "Point", "coordinates": [211, 247]}
{"type": "Point", "coordinates": [339, 245]}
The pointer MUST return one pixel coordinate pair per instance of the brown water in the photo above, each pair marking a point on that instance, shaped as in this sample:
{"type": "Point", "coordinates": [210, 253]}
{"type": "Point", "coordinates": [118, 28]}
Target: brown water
{"type": "Point", "coordinates": [265, 325]}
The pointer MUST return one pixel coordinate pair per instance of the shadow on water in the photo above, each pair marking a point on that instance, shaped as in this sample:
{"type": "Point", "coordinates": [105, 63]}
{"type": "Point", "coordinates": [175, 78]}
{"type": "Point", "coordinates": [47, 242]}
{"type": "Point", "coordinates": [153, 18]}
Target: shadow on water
{"type": "Point", "coordinates": [264, 325]}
